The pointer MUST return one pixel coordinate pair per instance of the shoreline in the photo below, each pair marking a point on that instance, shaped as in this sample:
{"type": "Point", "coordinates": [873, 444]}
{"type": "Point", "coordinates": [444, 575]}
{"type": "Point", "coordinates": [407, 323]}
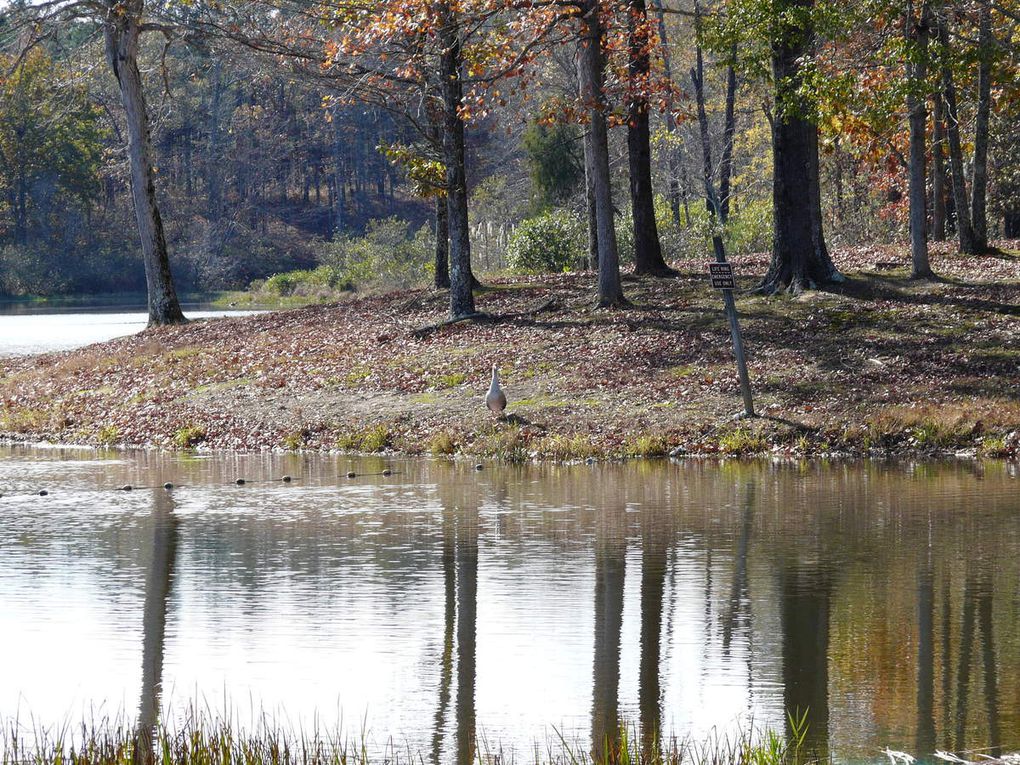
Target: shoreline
{"type": "Point", "coordinates": [879, 367]}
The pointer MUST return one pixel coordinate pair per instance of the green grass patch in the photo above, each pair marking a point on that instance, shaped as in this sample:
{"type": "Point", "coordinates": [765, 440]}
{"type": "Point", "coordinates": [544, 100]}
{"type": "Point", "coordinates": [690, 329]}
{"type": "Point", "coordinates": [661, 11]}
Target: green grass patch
{"type": "Point", "coordinates": [372, 438]}
{"type": "Point", "coordinates": [451, 380]}
{"type": "Point", "coordinates": [563, 448]}
{"type": "Point", "coordinates": [443, 444]}
{"type": "Point", "coordinates": [741, 441]}
{"type": "Point", "coordinates": [646, 445]}
{"type": "Point", "coordinates": [108, 435]}
{"type": "Point", "coordinates": [189, 436]}
{"type": "Point", "coordinates": [506, 442]}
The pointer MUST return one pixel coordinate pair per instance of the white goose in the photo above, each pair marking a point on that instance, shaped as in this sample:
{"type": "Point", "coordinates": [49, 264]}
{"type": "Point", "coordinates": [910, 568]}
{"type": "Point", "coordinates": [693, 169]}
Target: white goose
{"type": "Point", "coordinates": [495, 399]}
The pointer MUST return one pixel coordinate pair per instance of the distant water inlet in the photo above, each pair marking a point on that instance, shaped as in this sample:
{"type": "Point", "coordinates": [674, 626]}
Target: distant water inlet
{"type": "Point", "coordinates": [27, 328]}
{"type": "Point", "coordinates": [448, 611]}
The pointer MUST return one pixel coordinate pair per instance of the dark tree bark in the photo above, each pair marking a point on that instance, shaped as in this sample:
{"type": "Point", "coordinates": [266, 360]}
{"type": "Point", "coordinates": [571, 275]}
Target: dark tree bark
{"type": "Point", "coordinates": [964, 230]}
{"type": "Point", "coordinates": [938, 175]}
{"type": "Point", "coordinates": [916, 33]}
{"type": "Point", "coordinates": [590, 204]}
{"type": "Point", "coordinates": [442, 279]}
{"type": "Point", "coordinates": [729, 133]}
{"type": "Point", "coordinates": [648, 258]}
{"type": "Point", "coordinates": [462, 299]}
{"type": "Point", "coordinates": [1011, 224]}
{"type": "Point", "coordinates": [591, 76]}
{"type": "Point", "coordinates": [979, 192]}
{"type": "Point", "coordinates": [799, 256]}
{"type": "Point", "coordinates": [122, 28]}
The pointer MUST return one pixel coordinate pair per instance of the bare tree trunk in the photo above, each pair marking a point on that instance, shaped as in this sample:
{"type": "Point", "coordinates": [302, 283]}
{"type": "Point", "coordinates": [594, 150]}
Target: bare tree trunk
{"type": "Point", "coordinates": [916, 34]}
{"type": "Point", "coordinates": [442, 279]}
{"type": "Point", "coordinates": [647, 248]}
{"type": "Point", "coordinates": [938, 180]}
{"type": "Point", "coordinates": [963, 223]}
{"type": "Point", "coordinates": [122, 29]}
{"type": "Point", "coordinates": [590, 76]}
{"type": "Point", "coordinates": [462, 299]}
{"type": "Point", "coordinates": [979, 192]}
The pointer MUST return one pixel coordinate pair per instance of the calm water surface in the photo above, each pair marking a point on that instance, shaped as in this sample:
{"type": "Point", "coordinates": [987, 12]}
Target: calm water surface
{"type": "Point", "coordinates": [43, 327]}
{"type": "Point", "coordinates": [442, 607]}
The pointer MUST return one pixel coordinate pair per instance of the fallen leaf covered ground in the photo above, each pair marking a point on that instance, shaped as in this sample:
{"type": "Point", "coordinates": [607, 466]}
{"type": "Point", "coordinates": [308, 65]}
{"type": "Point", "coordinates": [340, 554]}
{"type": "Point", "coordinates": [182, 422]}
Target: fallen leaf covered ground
{"type": "Point", "coordinates": [880, 364]}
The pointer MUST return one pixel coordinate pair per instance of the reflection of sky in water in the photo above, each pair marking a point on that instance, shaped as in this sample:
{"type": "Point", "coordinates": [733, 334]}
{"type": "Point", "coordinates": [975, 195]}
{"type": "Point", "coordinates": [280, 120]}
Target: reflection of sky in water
{"type": "Point", "coordinates": [41, 333]}
{"type": "Point", "coordinates": [325, 601]}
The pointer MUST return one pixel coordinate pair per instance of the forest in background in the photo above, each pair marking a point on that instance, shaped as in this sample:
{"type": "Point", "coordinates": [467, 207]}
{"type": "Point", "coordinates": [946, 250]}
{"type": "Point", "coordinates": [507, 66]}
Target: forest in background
{"type": "Point", "coordinates": [271, 155]}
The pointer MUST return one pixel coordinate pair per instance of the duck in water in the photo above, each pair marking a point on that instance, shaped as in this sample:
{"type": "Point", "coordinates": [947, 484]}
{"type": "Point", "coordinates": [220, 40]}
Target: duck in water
{"type": "Point", "coordinates": [495, 399]}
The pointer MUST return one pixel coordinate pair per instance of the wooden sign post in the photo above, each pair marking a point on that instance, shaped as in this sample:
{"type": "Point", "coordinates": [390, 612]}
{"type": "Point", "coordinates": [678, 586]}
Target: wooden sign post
{"type": "Point", "coordinates": [721, 274]}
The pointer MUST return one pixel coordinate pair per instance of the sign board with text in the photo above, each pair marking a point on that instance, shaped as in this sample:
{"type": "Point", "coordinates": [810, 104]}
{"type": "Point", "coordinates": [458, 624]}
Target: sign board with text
{"type": "Point", "coordinates": [722, 276]}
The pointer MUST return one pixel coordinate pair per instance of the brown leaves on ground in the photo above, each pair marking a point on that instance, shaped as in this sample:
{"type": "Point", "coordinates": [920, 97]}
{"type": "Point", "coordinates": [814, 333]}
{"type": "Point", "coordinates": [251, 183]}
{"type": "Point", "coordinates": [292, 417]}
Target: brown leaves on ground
{"type": "Point", "coordinates": [880, 363]}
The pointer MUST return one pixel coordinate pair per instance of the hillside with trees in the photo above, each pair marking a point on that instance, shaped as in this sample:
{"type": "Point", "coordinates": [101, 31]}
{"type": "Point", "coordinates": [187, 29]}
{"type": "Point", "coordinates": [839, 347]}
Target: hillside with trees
{"type": "Point", "coordinates": [532, 137]}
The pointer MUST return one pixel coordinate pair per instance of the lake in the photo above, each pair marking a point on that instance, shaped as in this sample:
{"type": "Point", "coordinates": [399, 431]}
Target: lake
{"type": "Point", "coordinates": [450, 610]}
{"type": "Point", "coordinates": [27, 327]}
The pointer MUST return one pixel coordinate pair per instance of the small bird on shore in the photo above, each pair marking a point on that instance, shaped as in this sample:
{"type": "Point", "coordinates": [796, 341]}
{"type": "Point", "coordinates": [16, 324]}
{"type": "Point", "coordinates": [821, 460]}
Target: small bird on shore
{"type": "Point", "coordinates": [495, 399]}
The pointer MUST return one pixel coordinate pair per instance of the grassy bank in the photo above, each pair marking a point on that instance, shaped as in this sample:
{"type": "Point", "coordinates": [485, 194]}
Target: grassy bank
{"type": "Point", "coordinates": [880, 365]}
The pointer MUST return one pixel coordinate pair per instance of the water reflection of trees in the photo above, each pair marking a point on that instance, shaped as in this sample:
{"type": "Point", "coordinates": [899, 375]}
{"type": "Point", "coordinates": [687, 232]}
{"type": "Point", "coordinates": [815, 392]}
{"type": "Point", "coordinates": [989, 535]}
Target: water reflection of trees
{"type": "Point", "coordinates": [158, 583]}
{"type": "Point", "coordinates": [860, 589]}
{"type": "Point", "coordinates": [610, 575]}
{"type": "Point", "coordinates": [460, 530]}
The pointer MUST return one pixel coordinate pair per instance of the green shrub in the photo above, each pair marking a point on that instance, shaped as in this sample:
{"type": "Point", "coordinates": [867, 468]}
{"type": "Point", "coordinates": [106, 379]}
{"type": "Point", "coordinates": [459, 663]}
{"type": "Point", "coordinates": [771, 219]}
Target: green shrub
{"type": "Point", "coordinates": [387, 256]}
{"type": "Point", "coordinates": [552, 242]}
{"type": "Point", "coordinates": [307, 283]}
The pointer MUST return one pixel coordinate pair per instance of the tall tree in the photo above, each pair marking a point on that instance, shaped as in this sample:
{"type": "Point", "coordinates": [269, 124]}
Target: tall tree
{"type": "Point", "coordinates": [122, 23]}
{"type": "Point", "coordinates": [964, 230]}
{"type": "Point", "coordinates": [938, 170]}
{"type": "Point", "coordinates": [648, 258]}
{"type": "Point", "coordinates": [122, 26]}
{"type": "Point", "coordinates": [451, 62]}
{"type": "Point", "coordinates": [800, 259]}
{"type": "Point", "coordinates": [979, 207]}
{"type": "Point", "coordinates": [591, 89]}
{"type": "Point", "coordinates": [915, 30]}
{"type": "Point", "coordinates": [396, 48]}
